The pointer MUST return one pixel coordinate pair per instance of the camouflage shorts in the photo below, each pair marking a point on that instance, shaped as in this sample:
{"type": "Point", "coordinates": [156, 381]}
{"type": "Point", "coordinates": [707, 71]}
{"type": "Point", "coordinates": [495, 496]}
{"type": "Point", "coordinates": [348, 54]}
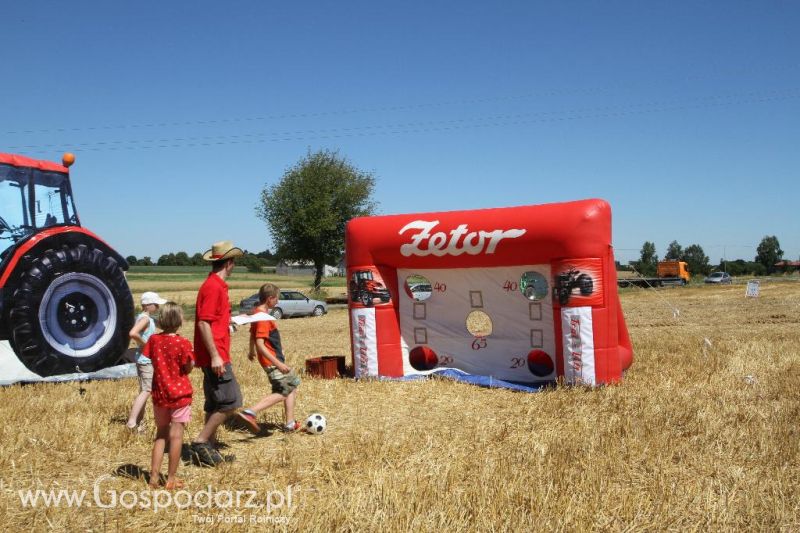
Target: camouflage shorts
{"type": "Point", "coordinates": [282, 383]}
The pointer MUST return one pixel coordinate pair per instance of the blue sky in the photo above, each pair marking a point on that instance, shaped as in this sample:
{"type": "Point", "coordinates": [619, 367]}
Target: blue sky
{"type": "Point", "coordinates": [684, 116]}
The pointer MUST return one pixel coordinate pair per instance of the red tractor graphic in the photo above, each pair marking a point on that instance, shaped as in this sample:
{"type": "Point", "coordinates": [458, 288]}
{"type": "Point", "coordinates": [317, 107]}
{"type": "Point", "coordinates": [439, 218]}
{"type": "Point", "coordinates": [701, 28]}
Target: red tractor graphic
{"type": "Point", "coordinates": [64, 301]}
{"type": "Point", "coordinates": [364, 288]}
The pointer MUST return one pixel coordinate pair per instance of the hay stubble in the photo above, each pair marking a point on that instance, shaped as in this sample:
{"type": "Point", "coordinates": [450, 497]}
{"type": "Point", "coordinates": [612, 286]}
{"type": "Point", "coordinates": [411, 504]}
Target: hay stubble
{"type": "Point", "coordinates": [701, 435]}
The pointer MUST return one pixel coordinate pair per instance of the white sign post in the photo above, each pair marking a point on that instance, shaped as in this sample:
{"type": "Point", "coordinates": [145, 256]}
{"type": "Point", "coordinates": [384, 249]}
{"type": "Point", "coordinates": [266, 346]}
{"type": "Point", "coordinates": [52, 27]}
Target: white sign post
{"type": "Point", "coordinates": [752, 289]}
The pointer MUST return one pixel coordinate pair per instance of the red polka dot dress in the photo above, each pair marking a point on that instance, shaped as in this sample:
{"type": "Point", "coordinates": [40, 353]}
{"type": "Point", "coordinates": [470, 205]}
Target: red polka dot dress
{"type": "Point", "coordinates": [169, 353]}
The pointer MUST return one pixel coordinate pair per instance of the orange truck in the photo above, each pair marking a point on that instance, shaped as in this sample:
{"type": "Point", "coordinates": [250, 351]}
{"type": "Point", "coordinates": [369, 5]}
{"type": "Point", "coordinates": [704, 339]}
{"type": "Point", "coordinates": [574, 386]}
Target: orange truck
{"type": "Point", "coordinates": [667, 272]}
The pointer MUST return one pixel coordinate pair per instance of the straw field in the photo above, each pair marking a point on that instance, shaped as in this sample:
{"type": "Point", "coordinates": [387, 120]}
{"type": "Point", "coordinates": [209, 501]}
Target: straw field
{"type": "Point", "coordinates": [701, 435]}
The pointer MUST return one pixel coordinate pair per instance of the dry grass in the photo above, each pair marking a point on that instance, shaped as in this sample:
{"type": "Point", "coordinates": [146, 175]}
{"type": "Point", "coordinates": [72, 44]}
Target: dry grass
{"type": "Point", "coordinates": [701, 435]}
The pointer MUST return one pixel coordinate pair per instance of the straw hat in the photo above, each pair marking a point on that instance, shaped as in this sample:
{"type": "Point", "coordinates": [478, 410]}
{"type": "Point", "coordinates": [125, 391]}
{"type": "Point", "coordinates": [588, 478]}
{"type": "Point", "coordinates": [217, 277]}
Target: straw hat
{"type": "Point", "coordinates": [222, 250]}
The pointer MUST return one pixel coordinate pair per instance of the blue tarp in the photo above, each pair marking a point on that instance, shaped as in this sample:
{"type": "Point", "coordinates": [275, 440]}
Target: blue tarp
{"type": "Point", "coordinates": [482, 381]}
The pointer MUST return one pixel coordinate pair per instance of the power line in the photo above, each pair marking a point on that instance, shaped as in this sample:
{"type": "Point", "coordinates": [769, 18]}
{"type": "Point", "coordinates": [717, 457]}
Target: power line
{"type": "Point", "coordinates": [318, 114]}
{"type": "Point", "coordinates": [428, 126]}
{"type": "Point", "coordinates": [737, 72]}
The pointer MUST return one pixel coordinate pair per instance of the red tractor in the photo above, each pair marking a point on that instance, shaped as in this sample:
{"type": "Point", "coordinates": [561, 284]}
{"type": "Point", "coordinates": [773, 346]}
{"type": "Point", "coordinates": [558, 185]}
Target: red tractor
{"type": "Point", "coordinates": [364, 288]}
{"type": "Point", "coordinates": [65, 305]}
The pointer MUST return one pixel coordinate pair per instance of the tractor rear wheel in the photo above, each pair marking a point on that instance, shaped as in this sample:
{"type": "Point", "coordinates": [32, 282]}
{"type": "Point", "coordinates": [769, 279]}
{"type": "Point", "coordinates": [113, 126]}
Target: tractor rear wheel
{"type": "Point", "coordinates": [71, 312]}
{"type": "Point", "coordinates": [585, 285]}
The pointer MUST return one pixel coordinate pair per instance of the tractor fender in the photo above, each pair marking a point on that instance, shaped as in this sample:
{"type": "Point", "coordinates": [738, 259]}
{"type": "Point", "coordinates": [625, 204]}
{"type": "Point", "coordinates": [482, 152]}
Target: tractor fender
{"type": "Point", "coordinates": [27, 249]}
{"type": "Point", "coordinates": [19, 258]}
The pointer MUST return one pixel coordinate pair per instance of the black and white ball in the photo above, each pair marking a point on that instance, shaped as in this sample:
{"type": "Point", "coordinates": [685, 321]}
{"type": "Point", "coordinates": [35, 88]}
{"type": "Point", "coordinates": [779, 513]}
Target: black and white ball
{"type": "Point", "coordinates": [315, 424]}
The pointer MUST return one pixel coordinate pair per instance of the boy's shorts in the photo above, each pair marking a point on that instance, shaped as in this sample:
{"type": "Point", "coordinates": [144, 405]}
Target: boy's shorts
{"type": "Point", "coordinates": [145, 373]}
{"type": "Point", "coordinates": [282, 383]}
{"type": "Point", "coordinates": [222, 392]}
{"type": "Point", "coordinates": [165, 415]}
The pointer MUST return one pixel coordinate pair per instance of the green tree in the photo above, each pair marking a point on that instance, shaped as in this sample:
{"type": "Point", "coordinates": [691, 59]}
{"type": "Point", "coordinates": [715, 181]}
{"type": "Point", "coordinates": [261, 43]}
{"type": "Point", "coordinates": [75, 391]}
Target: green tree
{"type": "Point", "coordinates": [145, 261]}
{"type": "Point", "coordinates": [167, 260]}
{"type": "Point", "coordinates": [197, 259]}
{"type": "Point", "coordinates": [769, 252]}
{"type": "Point", "coordinates": [740, 267]}
{"type": "Point", "coordinates": [648, 260]}
{"type": "Point", "coordinates": [674, 252]}
{"type": "Point", "coordinates": [696, 260]}
{"type": "Point", "coordinates": [182, 259]}
{"type": "Point", "coordinates": [306, 212]}
{"type": "Point", "coordinates": [252, 263]}
{"type": "Point", "coordinates": [268, 258]}
{"type": "Point", "coordinates": [737, 267]}
{"type": "Point", "coordinates": [131, 259]}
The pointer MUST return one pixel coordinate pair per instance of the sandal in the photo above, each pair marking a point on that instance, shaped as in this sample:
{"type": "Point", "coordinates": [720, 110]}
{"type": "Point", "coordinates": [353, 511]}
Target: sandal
{"type": "Point", "coordinates": [205, 454]}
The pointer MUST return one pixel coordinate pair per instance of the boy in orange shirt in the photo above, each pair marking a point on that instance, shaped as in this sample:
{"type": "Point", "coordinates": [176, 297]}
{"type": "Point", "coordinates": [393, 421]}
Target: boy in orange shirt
{"type": "Point", "coordinates": [265, 342]}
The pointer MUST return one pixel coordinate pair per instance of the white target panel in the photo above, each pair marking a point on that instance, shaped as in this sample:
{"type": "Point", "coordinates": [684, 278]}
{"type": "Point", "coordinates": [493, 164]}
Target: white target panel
{"type": "Point", "coordinates": [508, 308]}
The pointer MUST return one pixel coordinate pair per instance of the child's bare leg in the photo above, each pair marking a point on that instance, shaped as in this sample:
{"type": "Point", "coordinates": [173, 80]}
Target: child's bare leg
{"type": "Point", "coordinates": [288, 406]}
{"type": "Point", "coordinates": [162, 433]}
{"type": "Point", "coordinates": [137, 410]}
{"type": "Point", "coordinates": [175, 445]}
{"type": "Point", "coordinates": [266, 402]}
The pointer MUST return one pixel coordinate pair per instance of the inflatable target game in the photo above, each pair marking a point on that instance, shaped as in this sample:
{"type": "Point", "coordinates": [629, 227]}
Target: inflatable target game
{"type": "Point", "coordinates": [524, 295]}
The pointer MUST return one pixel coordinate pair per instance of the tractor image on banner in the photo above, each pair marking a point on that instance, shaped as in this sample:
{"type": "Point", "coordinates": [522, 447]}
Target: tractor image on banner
{"type": "Point", "coordinates": [518, 296]}
{"type": "Point", "coordinates": [65, 304]}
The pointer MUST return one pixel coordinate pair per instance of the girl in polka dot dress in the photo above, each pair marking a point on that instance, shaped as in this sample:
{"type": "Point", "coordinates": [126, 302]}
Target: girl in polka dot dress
{"type": "Point", "coordinates": [173, 359]}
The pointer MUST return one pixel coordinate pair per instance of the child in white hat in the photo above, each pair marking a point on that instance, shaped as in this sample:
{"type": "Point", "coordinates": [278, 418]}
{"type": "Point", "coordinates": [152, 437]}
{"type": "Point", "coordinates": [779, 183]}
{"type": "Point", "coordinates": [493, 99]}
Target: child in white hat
{"type": "Point", "coordinates": [141, 331]}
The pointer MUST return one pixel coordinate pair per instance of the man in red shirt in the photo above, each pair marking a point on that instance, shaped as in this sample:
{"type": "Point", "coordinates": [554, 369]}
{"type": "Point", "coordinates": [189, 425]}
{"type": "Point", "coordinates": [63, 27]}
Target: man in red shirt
{"type": "Point", "coordinates": [212, 343]}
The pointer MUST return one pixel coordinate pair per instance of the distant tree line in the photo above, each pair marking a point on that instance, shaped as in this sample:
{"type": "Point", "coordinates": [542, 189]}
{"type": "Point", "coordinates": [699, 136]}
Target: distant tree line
{"type": "Point", "coordinates": [768, 254]}
{"type": "Point", "coordinates": [253, 262]}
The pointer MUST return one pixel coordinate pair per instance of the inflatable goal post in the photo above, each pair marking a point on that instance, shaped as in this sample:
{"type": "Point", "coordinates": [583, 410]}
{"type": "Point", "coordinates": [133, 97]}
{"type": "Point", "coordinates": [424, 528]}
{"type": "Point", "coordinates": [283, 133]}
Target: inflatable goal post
{"type": "Point", "coordinates": [523, 294]}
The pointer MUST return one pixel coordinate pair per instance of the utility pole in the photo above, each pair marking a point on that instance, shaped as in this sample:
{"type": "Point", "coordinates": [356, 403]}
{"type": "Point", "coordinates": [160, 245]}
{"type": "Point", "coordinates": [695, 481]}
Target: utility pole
{"type": "Point", "coordinates": [724, 258]}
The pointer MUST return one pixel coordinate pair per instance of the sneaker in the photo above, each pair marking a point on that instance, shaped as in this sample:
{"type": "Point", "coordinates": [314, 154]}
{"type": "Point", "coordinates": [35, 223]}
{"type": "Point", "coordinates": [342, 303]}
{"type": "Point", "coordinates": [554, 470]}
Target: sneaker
{"type": "Point", "coordinates": [205, 454]}
{"type": "Point", "coordinates": [250, 420]}
{"type": "Point", "coordinates": [291, 426]}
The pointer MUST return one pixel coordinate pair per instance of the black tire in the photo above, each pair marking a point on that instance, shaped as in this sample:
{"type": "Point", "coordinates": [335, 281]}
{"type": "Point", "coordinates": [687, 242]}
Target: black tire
{"type": "Point", "coordinates": [70, 312]}
{"type": "Point", "coordinates": [277, 313]}
{"type": "Point", "coordinates": [318, 311]}
{"type": "Point", "coordinates": [585, 284]}
{"type": "Point", "coordinates": [366, 298]}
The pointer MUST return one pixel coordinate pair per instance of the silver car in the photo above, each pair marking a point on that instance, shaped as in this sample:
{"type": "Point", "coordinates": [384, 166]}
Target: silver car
{"type": "Point", "coordinates": [290, 303]}
{"type": "Point", "coordinates": [420, 291]}
{"type": "Point", "coordinates": [719, 277]}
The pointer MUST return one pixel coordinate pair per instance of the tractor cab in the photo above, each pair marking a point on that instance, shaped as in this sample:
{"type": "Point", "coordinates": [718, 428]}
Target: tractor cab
{"type": "Point", "coordinates": [32, 199]}
{"type": "Point", "coordinates": [362, 276]}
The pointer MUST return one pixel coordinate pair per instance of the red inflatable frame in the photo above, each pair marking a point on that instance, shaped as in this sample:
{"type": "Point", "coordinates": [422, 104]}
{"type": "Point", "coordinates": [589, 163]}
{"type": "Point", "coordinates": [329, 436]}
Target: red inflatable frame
{"type": "Point", "coordinates": [545, 275]}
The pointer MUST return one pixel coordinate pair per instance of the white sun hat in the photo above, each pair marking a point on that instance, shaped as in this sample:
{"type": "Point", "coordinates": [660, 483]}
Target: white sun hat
{"type": "Point", "coordinates": [152, 298]}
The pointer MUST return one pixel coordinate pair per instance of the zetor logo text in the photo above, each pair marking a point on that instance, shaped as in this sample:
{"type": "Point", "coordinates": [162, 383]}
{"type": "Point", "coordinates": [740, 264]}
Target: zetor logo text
{"type": "Point", "coordinates": [440, 243]}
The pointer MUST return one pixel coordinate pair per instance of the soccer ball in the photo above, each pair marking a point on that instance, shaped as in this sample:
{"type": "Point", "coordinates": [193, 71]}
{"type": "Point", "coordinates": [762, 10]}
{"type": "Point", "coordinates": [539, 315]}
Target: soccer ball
{"type": "Point", "coordinates": [315, 424]}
